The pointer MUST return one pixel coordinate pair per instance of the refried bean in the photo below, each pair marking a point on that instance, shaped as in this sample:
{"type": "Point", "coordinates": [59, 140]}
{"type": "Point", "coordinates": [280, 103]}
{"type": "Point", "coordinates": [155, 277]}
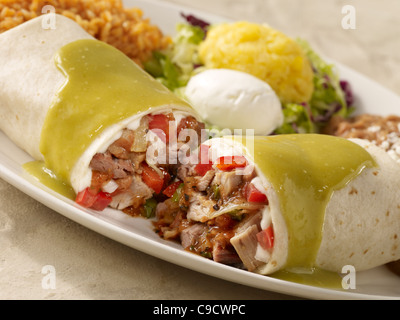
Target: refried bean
{"type": "Point", "coordinates": [384, 131]}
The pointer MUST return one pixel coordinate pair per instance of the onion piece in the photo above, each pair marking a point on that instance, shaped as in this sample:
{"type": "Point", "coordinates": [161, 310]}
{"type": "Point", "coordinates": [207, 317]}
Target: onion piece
{"type": "Point", "coordinates": [155, 168]}
{"type": "Point", "coordinates": [110, 186]}
{"type": "Point", "coordinates": [140, 134]}
{"type": "Point", "coordinates": [245, 206]}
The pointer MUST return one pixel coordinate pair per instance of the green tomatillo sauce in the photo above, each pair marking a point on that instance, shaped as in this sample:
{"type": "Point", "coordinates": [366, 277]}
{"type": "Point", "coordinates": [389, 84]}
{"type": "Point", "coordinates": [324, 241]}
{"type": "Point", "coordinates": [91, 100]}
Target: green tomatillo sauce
{"type": "Point", "coordinates": [103, 87]}
{"type": "Point", "coordinates": [45, 176]}
{"type": "Point", "coordinates": [305, 170]}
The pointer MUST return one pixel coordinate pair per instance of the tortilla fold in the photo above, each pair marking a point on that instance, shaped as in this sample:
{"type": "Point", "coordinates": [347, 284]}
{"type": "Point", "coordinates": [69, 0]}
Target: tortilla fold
{"type": "Point", "coordinates": [31, 82]}
{"type": "Point", "coordinates": [29, 78]}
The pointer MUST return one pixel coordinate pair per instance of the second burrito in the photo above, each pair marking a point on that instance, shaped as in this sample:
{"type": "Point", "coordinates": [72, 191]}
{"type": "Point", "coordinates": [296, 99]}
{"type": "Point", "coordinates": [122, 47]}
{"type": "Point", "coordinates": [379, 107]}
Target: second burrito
{"type": "Point", "coordinates": [299, 203]}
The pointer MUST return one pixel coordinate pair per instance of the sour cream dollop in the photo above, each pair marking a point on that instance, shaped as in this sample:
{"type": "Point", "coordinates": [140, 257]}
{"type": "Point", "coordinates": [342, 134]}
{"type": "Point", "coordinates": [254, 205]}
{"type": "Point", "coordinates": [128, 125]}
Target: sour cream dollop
{"type": "Point", "coordinates": [232, 100]}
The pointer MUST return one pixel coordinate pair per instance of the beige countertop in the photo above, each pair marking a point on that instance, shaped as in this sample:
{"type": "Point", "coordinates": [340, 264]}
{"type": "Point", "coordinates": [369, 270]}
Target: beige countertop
{"type": "Point", "coordinates": [91, 266]}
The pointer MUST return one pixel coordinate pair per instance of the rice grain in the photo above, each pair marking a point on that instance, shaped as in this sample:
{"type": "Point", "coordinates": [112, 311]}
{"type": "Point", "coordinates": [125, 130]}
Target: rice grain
{"type": "Point", "coordinates": [107, 20]}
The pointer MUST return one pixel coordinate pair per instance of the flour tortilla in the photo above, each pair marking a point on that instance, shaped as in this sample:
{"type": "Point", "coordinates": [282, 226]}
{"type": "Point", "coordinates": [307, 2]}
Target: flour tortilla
{"type": "Point", "coordinates": [30, 80]}
{"type": "Point", "coordinates": [362, 220]}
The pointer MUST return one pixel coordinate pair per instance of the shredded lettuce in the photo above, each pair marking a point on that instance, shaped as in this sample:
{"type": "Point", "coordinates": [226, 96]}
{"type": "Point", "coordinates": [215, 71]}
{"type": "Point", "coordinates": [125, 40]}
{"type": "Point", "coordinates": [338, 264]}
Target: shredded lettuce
{"type": "Point", "coordinates": [175, 66]}
{"type": "Point", "coordinates": [296, 120]}
{"type": "Point", "coordinates": [328, 98]}
{"type": "Point", "coordinates": [185, 50]}
{"type": "Point", "coordinates": [328, 92]}
{"type": "Point", "coordinates": [163, 69]}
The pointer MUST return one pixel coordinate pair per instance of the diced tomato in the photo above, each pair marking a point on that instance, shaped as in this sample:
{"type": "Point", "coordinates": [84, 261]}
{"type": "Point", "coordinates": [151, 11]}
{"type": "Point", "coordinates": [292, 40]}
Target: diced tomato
{"type": "Point", "coordinates": [103, 199]}
{"type": "Point", "coordinates": [185, 123]}
{"type": "Point", "coordinates": [266, 238]}
{"type": "Point", "coordinates": [88, 198]}
{"type": "Point", "coordinates": [229, 163]}
{"type": "Point", "coordinates": [254, 195]}
{"type": "Point", "coordinates": [152, 178]}
{"type": "Point", "coordinates": [167, 177]}
{"type": "Point", "coordinates": [192, 124]}
{"type": "Point", "coordinates": [204, 164]}
{"type": "Point", "coordinates": [159, 124]}
{"type": "Point", "coordinates": [201, 169]}
{"type": "Point", "coordinates": [170, 190]}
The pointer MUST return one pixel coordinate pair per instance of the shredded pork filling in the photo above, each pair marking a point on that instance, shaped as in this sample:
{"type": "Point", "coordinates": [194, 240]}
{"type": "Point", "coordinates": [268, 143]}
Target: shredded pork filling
{"type": "Point", "coordinates": [211, 210]}
{"type": "Point", "coordinates": [211, 216]}
{"type": "Point", "coordinates": [124, 171]}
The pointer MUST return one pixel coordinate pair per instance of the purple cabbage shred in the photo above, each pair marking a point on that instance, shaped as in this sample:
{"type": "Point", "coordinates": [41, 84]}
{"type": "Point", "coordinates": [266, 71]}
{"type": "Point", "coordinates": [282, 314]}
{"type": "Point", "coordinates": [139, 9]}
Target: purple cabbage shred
{"type": "Point", "coordinates": [196, 22]}
{"type": "Point", "coordinates": [348, 92]}
{"type": "Point", "coordinates": [334, 108]}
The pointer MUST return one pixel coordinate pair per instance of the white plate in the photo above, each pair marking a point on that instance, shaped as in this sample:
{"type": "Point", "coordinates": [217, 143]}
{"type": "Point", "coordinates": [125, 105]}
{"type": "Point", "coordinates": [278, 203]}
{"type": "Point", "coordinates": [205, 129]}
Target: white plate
{"type": "Point", "coordinates": [137, 233]}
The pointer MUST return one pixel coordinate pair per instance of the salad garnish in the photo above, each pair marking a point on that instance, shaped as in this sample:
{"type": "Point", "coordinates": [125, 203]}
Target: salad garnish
{"type": "Point", "coordinates": [331, 95]}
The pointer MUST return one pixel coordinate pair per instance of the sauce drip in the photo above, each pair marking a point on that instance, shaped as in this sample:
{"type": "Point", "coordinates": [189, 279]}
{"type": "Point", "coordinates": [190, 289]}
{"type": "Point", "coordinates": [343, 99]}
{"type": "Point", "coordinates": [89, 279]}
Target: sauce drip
{"type": "Point", "coordinates": [45, 176]}
{"type": "Point", "coordinates": [311, 276]}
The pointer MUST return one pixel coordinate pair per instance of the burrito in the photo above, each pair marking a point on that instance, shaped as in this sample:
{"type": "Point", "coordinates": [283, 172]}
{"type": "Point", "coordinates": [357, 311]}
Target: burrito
{"type": "Point", "coordinates": [293, 203]}
{"type": "Point", "coordinates": [88, 115]}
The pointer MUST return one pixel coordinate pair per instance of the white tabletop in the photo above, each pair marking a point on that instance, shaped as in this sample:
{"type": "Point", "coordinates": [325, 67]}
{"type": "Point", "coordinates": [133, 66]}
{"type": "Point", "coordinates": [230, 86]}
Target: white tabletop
{"type": "Point", "coordinates": [91, 266]}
